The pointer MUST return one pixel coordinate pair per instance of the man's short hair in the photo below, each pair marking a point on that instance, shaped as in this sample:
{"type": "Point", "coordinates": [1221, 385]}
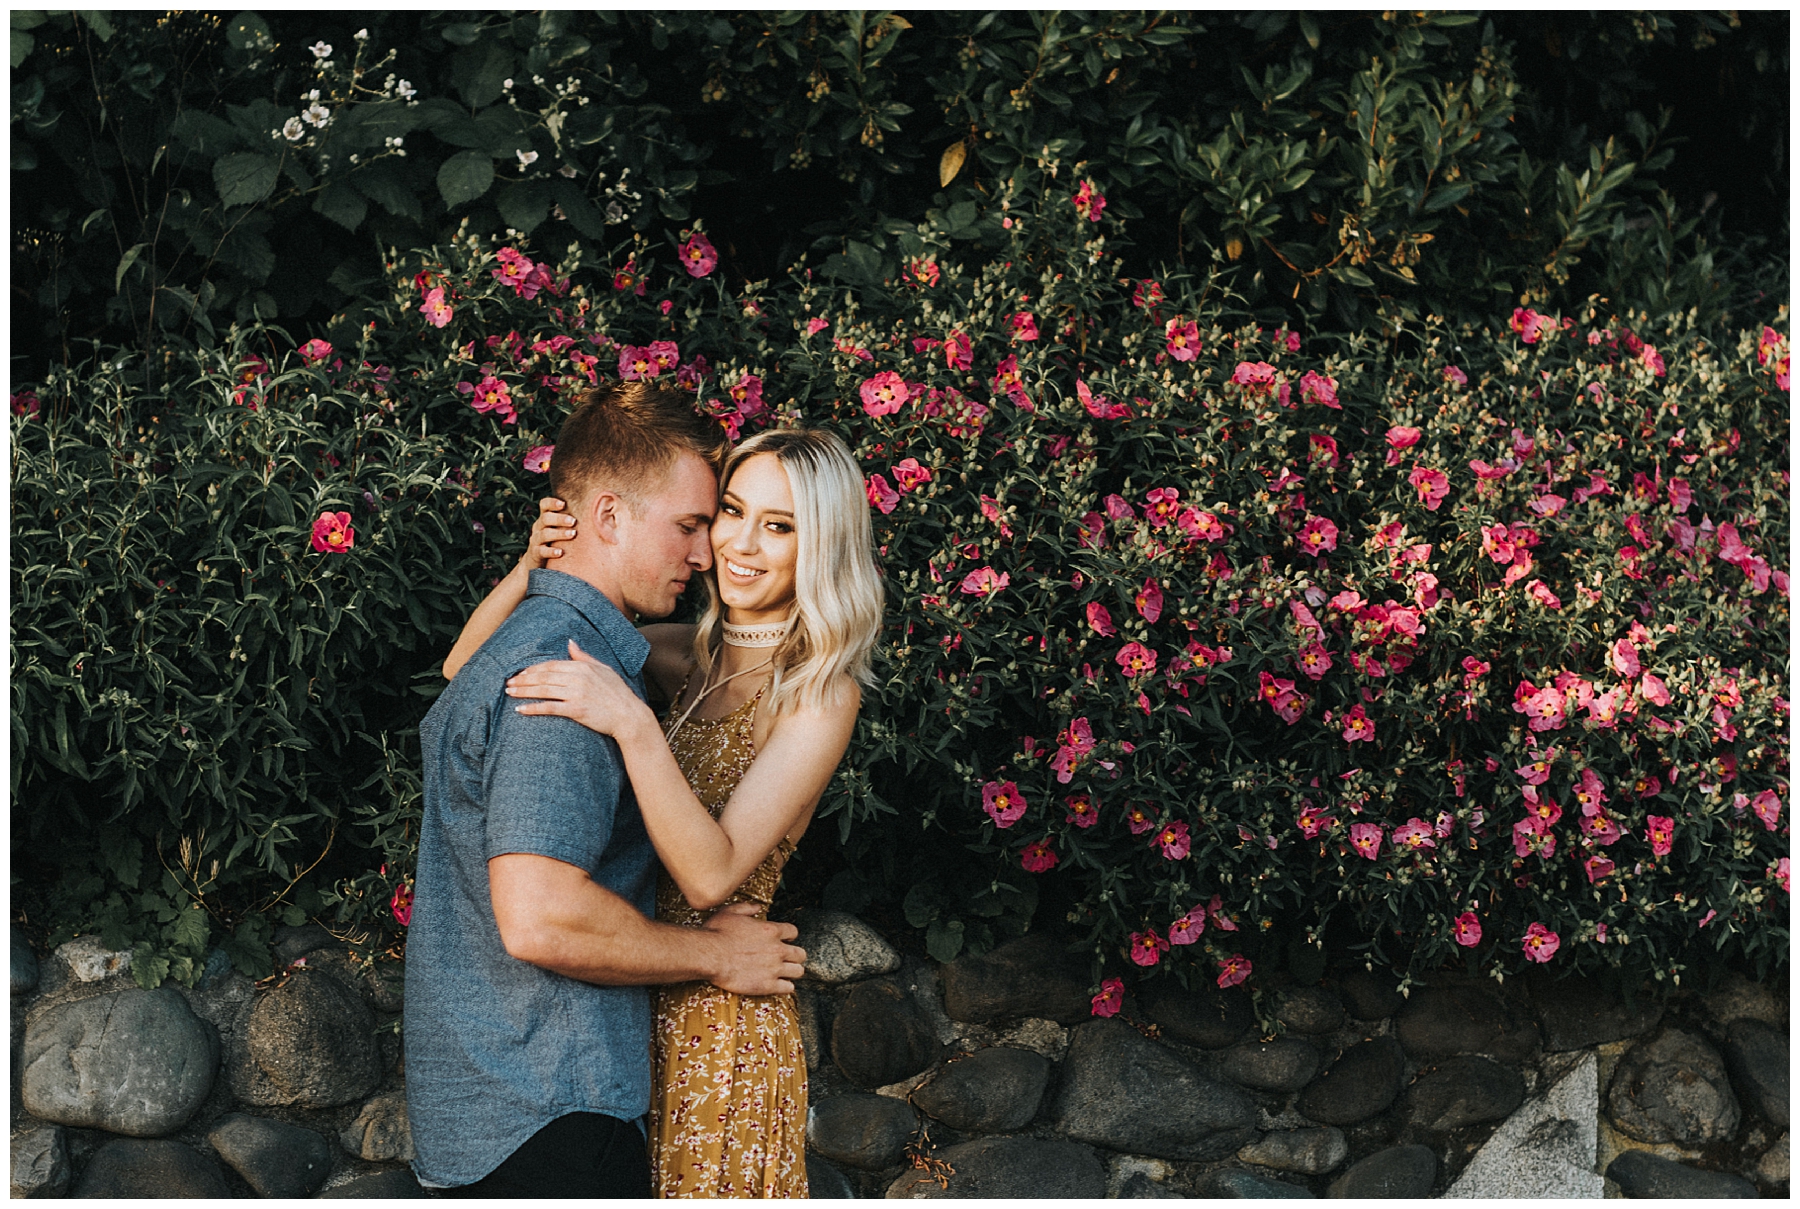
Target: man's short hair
{"type": "Point", "coordinates": [624, 436]}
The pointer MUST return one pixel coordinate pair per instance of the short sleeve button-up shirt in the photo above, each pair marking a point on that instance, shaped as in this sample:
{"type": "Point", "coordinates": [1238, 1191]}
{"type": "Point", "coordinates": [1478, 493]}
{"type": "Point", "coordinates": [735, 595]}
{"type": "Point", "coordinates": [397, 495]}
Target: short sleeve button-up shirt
{"type": "Point", "coordinates": [497, 1048]}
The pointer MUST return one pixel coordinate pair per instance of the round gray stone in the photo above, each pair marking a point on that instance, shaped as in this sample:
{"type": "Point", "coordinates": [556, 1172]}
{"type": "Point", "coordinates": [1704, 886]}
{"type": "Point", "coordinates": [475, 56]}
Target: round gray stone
{"type": "Point", "coordinates": [1464, 1091]}
{"type": "Point", "coordinates": [1234, 1183]}
{"type": "Point", "coordinates": [1284, 1064]}
{"type": "Point", "coordinates": [131, 1167]}
{"type": "Point", "coordinates": [40, 1163]}
{"type": "Point", "coordinates": [275, 1158]}
{"type": "Point", "coordinates": [842, 948]}
{"type": "Point", "coordinates": [1121, 1090]}
{"type": "Point", "coordinates": [1772, 1167]}
{"type": "Point", "coordinates": [1578, 1012]}
{"type": "Point", "coordinates": [825, 1182]}
{"type": "Point", "coordinates": [1311, 1151]}
{"type": "Point", "coordinates": [309, 1043]}
{"type": "Point", "coordinates": [992, 1168]}
{"type": "Point", "coordinates": [133, 1062]}
{"type": "Point", "coordinates": [1030, 976]}
{"type": "Point", "coordinates": [994, 1090]}
{"type": "Point", "coordinates": [1207, 1016]}
{"type": "Point", "coordinates": [1738, 998]}
{"type": "Point", "coordinates": [90, 961]}
{"type": "Point", "coordinates": [1371, 995]}
{"type": "Point", "coordinates": [379, 1185]}
{"type": "Point", "coordinates": [1673, 1088]}
{"type": "Point", "coordinates": [24, 964]}
{"type": "Point", "coordinates": [1397, 1173]}
{"type": "Point", "coordinates": [1463, 1018]}
{"type": "Point", "coordinates": [1757, 1055]}
{"type": "Point", "coordinates": [1641, 1175]}
{"type": "Point", "coordinates": [291, 942]}
{"type": "Point", "coordinates": [881, 1035]}
{"type": "Point", "coordinates": [381, 1132]}
{"type": "Point", "coordinates": [1310, 1010]}
{"type": "Point", "coordinates": [1361, 1083]}
{"type": "Point", "coordinates": [860, 1130]}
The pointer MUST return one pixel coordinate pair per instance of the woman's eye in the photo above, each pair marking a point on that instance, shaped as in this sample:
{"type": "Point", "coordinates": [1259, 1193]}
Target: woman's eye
{"type": "Point", "coordinates": [778, 527]}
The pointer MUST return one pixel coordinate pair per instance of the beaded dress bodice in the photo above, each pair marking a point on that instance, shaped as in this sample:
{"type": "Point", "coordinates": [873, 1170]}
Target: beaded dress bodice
{"type": "Point", "coordinates": [713, 754]}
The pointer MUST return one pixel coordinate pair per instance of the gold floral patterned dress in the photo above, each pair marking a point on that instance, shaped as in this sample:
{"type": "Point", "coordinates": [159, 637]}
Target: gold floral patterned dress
{"type": "Point", "coordinates": [728, 1088]}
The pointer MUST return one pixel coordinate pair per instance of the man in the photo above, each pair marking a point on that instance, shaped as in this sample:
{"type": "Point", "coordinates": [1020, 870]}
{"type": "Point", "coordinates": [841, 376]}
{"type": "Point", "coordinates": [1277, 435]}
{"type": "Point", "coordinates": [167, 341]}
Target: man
{"type": "Point", "coordinates": [527, 1021]}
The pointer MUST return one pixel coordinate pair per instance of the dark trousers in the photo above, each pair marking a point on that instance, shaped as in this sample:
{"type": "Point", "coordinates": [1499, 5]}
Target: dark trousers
{"type": "Point", "coordinates": [583, 1154]}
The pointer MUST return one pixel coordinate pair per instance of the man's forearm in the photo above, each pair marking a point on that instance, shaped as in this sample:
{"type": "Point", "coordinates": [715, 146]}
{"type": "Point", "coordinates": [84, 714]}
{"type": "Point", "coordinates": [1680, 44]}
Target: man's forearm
{"type": "Point", "coordinates": [555, 917]}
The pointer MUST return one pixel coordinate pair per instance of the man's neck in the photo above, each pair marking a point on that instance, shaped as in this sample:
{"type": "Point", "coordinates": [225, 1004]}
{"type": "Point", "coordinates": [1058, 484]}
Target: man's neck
{"type": "Point", "coordinates": [586, 564]}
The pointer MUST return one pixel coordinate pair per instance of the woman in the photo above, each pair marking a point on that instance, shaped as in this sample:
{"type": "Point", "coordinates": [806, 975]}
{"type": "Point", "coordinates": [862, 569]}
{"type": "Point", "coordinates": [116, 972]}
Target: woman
{"type": "Point", "coordinates": [763, 697]}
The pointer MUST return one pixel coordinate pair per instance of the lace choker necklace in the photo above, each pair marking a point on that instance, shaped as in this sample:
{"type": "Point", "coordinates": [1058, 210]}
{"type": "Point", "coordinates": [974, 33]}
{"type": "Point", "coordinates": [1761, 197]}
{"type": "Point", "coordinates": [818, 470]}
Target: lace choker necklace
{"type": "Point", "coordinates": [770, 634]}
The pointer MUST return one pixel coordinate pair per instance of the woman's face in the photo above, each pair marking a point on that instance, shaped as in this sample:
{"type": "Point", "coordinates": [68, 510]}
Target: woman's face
{"type": "Point", "coordinates": [754, 546]}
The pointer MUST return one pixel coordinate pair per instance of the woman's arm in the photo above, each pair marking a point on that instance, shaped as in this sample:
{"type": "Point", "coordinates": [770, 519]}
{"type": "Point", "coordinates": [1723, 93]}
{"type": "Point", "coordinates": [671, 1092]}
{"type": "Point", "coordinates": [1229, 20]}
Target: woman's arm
{"type": "Point", "coordinates": [552, 525]}
{"type": "Point", "coordinates": [708, 858]}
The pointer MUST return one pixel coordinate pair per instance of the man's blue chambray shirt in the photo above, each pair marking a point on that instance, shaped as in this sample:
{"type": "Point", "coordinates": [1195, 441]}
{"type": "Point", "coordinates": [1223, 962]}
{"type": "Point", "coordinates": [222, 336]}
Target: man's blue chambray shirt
{"type": "Point", "coordinates": [497, 1048]}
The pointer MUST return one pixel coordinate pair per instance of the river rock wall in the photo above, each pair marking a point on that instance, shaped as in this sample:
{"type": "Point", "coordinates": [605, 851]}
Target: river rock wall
{"type": "Point", "coordinates": [986, 1077]}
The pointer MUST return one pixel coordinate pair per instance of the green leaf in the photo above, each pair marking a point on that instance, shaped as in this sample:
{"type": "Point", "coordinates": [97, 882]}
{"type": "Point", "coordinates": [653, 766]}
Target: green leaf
{"type": "Point", "coordinates": [478, 73]}
{"type": "Point", "coordinates": [381, 184]}
{"type": "Point", "coordinates": [342, 205]}
{"type": "Point", "coordinates": [148, 967]}
{"type": "Point", "coordinates": [944, 939]}
{"type": "Point", "coordinates": [523, 204]}
{"type": "Point", "coordinates": [96, 21]}
{"type": "Point", "coordinates": [245, 30]}
{"type": "Point", "coordinates": [1452, 20]}
{"type": "Point", "coordinates": [24, 155]}
{"type": "Point", "coordinates": [205, 133]}
{"type": "Point", "coordinates": [191, 931]}
{"type": "Point", "coordinates": [245, 178]}
{"type": "Point", "coordinates": [463, 33]}
{"type": "Point", "coordinates": [27, 18]}
{"type": "Point", "coordinates": [464, 177]}
{"type": "Point", "coordinates": [21, 47]}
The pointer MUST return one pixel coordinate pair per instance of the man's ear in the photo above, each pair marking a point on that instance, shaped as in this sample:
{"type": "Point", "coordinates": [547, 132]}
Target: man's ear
{"type": "Point", "coordinates": [603, 515]}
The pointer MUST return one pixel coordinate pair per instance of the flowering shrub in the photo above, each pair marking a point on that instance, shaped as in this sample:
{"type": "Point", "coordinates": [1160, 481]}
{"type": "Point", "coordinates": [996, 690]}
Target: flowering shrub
{"type": "Point", "coordinates": [1208, 634]}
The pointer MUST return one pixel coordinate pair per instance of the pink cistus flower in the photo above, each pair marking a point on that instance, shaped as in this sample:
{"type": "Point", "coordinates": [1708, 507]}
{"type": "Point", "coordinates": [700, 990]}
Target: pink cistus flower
{"type": "Point", "coordinates": [1432, 486]}
{"type": "Point", "coordinates": [332, 533]}
{"type": "Point", "coordinates": [1089, 202]}
{"type": "Point", "coordinates": [881, 495]}
{"type": "Point", "coordinates": [1149, 601]}
{"type": "Point", "coordinates": [1660, 831]}
{"type": "Point", "coordinates": [1110, 998]}
{"type": "Point", "coordinates": [1233, 970]}
{"type": "Point", "coordinates": [1366, 839]}
{"type": "Point", "coordinates": [1003, 802]}
{"type": "Point", "coordinates": [698, 256]}
{"type": "Point", "coordinates": [959, 353]}
{"type": "Point", "coordinates": [1318, 536]}
{"type": "Point", "coordinates": [1082, 810]}
{"type": "Point", "coordinates": [1024, 326]}
{"type": "Point", "coordinates": [1147, 947]}
{"type": "Point", "coordinates": [984, 581]}
{"type": "Point", "coordinates": [315, 351]}
{"type": "Point", "coordinates": [1415, 834]}
{"type": "Point", "coordinates": [884, 393]}
{"type": "Point", "coordinates": [1183, 339]}
{"type": "Point", "coordinates": [1173, 840]}
{"type": "Point", "coordinates": [1136, 658]}
{"type": "Point", "coordinates": [1099, 618]}
{"type": "Point", "coordinates": [538, 460]}
{"type": "Point", "coordinates": [909, 474]}
{"type": "Point", "coordinates": [1316, 388]}
{"type": "Point", "coordinates": [1038, 857]}
{"type": "Point", "coordinates": [437, 312]}
{"type": "Point", "coordinates": [1188, 928]}
{"type": "Point", "coordinates": [1540, 943]}
{"type": "Point", "coordinates": [1466, 930]}
{"type": "Point", "coordinates": [401, 904]}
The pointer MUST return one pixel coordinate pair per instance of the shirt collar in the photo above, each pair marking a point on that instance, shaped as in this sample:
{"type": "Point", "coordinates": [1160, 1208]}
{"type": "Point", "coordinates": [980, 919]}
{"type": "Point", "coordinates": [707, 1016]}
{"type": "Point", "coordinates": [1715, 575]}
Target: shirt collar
{"type": "Point", "coordinates": [629, 646]}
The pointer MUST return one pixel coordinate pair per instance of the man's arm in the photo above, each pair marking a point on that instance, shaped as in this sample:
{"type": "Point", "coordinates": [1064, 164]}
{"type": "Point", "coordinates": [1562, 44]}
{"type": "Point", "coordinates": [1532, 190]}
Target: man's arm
{"type": "Point", "coordinates": [554, 916]}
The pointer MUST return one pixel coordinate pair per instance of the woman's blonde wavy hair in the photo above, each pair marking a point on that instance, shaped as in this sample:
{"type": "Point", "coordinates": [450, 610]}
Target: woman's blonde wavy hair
{"type": "Point", "coordinates": [837, 586]}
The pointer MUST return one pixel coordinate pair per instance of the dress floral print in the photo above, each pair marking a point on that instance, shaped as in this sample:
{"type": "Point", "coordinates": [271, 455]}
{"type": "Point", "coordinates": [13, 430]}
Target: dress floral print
{"type": "Point", "coordinates": [728, 1091]}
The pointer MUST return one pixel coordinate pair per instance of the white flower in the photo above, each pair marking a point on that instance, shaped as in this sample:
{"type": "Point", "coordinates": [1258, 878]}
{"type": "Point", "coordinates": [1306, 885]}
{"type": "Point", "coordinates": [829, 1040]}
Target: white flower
{"type": "Point", "coordinates": [320, 50]}
{"type": "Point", "coordinates": [405, 89]}
{"type": "Point", "coordinates": [567, 170]}
{"type": "Point", "coordinates": [506, 84]}
{"type": "Point", "coordinates": [293, 130]}
{"type": "Point", "coordinates": [526, 159]}
{"type": "Point", "coordinates": [362, 35]}
{"type": "Point", "coordinates": [317, 115]}
{"type": "Point", "coordinates": [313, 95]}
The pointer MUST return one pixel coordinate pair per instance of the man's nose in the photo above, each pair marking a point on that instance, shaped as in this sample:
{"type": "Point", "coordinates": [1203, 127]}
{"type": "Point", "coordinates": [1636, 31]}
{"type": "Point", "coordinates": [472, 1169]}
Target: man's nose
{"type": "Point", "coordinates": [700, 555]}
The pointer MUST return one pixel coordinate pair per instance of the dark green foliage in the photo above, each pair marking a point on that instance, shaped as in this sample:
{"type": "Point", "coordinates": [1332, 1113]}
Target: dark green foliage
{"type": "Point", "coordinates": [1358, 169]}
